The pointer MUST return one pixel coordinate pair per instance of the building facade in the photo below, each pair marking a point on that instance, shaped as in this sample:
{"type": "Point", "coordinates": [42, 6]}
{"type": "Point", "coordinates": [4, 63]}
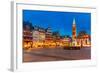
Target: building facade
{"type": "Point", "coordinates": [48, 35]}
{"type": "Point", "coordinates": [27, 35]}
{"type": "Point", "coordinates": [42, 34]}
{"type": "Point", "coordinates": [83, 40]}
{"type": "Point", "coordinates": [35, 34]}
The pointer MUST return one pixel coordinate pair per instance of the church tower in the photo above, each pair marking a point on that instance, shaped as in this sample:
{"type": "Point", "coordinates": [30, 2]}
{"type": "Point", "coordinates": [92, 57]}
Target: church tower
{"type": "Point", "coordinates": [74, 30]}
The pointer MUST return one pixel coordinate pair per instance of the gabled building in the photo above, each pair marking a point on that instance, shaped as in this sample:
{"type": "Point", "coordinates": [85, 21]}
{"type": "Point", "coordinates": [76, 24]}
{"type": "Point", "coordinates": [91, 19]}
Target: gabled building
{"type": "Point", "coordinates": [38, 34]}
{"type": "Point", "coordinates": [35, 34]}
{"type": "Point", "coordinates": [27, 35]}
{"type": "Point", "coordinates": [84, 40]}
{"type": "Point", "coordinates": [66, 41]}
{"type": "Point", "coordinates": [48, 35]}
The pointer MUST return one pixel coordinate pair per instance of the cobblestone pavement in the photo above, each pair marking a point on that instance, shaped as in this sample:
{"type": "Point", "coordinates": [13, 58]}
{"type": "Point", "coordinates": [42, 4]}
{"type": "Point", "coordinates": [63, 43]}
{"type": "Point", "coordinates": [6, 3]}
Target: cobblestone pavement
{"type": "Point", "coordinates": [55, 54]}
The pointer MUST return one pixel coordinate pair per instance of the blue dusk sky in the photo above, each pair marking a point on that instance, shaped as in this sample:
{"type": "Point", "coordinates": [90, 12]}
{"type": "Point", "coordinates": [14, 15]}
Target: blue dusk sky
{"type": "Point", "coordinates": [59, 21]}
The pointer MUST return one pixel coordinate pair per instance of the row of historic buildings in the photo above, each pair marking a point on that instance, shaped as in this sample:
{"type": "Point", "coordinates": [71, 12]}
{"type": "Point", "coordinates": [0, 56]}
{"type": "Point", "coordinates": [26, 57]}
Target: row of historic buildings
{"type": "Point", "coordinates": [36, 33]}
{"type": "Point", "coordinates": [33, 34]}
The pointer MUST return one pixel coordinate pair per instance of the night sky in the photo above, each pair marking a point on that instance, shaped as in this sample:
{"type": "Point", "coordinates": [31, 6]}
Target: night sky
{"type": "Point", "coordinates": [59, 21]}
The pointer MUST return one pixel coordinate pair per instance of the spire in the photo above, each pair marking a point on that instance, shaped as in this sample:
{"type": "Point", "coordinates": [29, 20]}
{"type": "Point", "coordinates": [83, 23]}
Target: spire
{"type": "Point", "coordinates": [74, 21]}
